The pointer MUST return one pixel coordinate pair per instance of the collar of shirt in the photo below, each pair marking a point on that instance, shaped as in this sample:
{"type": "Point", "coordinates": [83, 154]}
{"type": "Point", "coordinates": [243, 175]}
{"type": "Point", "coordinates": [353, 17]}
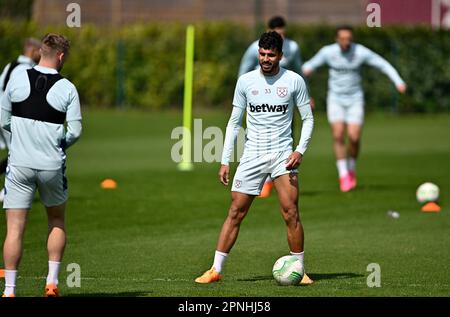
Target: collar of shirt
{"type": "Point", "coordinates": [22, 59]}
{"type": "Point", "coordinates": [45, 70]}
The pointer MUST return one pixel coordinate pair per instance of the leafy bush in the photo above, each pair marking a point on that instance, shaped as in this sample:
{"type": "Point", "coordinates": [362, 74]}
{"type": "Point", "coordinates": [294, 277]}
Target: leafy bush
{"type": "Point", "coordinates": [142, 65]}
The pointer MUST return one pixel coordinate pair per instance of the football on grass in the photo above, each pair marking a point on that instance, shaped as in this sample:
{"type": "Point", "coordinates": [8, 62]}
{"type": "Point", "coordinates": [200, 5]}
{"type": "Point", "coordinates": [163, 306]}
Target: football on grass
{"type": "Point", "coordinates": [288, 270]}
{"type": "Point", "coordinates": [427, 192]}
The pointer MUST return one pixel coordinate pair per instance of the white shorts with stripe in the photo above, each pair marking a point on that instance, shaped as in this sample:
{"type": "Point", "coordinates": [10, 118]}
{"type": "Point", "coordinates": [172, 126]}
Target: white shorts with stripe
{"type": "Point", "coordinates": [253, 171]}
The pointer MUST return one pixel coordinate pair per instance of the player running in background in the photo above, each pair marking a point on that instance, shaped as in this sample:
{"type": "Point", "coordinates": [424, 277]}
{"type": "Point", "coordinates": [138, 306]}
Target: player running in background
{"type": "Point", "coordinates": [36, 104]}
{"type": "Point", "coordinates": [269, 95]}
{"type": "Point", "coordinates": [345, 100]}
{"type": "Point", "coordinates": [291, 60]}
{"type": "Point", "coordinates": [28, 59]}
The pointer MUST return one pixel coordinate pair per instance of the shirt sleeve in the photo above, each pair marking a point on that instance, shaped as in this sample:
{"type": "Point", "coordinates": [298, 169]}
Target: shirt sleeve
{"type": "Point", "coordinates": [297, 61]}
{"type": "Point", "coordinates": [318, 60]}
{"type": "Point", "coordinates": [375, 60]}
{"type": "Point", "coordinates": [304, 107]}
{"type": "Point", "coordinates": [6, 120]}
{"type": "Point", "coordinates": [232, 131]}
{"type": "Point", "coordinates": [73, 112]}
{"type": "Point", "coordinates": [249, 61]}
{"type": "Point", "coordinates": [240, 98]}
{"type": "Point", "coordinates": [73, 132]}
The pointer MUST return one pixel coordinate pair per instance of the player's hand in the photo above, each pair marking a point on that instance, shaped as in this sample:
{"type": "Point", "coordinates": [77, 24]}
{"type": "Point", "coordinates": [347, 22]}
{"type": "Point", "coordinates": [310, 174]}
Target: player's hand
{"type": "Point", "coordinates": [312, 103]}
{"type": "Point", "coordinates": [294, 160]}
{"type": "Point", "coordinates": [224, 174]}
{"type": "Point", "coordinates": [307, 72]}
{"type": "Point", "coordinates": [401, 88]}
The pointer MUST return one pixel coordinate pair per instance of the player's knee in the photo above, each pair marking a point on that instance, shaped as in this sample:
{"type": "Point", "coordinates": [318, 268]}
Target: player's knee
{"type": "Point", "coordinates": [290, 214]}
{"type": "Point", "coordinates": [237, 213]}
{"type": "Point", "coordinates": [338, 137]}
{"type": "Point", "coordinates": [14, 233]}
{"type": "Point", "coordinates": [354, 139]}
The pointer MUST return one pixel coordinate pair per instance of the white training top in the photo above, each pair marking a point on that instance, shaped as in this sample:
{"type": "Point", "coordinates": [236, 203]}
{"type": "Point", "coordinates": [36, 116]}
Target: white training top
{"type": "Point", "coordinates": [37, 144]}
{"type": "Point", "coordinates": [344, 75]}
{"type": "Point", "coordinates": [269, 102]}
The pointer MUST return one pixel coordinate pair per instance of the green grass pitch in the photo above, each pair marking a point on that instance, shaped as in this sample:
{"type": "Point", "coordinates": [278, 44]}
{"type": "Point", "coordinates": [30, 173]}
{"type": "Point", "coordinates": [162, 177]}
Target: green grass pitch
{"type": "Point", "coordinates": [157, 231]}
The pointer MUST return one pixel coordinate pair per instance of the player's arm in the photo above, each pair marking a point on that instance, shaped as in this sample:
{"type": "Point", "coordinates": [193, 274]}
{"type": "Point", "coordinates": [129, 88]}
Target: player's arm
{"type": "Point", "coordinates": [315, 62]}
{"type": "Point", "coordinates": [304, 107]}
{"type": "Point", "coordinates": [375, 60]}
{"type": "Point", "coordinates": [6, 109]}
{"type": "Point", "coordinates": [297, 61]}
{"type": "Point", "coordinates": [249, 60]}
{"type": "Point", "coordinates": [232, 131]}
{"type": "Point", "coordinates": [73, 118]}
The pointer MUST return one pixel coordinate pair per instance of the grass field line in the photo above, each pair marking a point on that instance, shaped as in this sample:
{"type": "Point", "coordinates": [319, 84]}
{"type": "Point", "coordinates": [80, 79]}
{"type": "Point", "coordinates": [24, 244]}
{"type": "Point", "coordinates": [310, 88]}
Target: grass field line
{"type": "Point", "coordinates": [111, 279]}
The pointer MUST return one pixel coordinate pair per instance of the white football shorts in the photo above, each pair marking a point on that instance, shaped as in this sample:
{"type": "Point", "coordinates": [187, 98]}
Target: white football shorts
{"type": "Point", "coordinates": [348, 111]}
{"type": "Point", "coordinates": [21, 184]}
{"type": "Point", "coordinates": [253, 171]}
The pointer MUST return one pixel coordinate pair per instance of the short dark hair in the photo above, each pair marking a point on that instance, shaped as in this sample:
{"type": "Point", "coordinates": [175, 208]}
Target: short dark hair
{"type": "Point", "coordinates": [344, 28]}
{"type": "Point", "coordinates": [276, 22]}
{"type": "Point", "coordinates": [270, 40]}
{"type": "Point", "coordinates": [52, 43]}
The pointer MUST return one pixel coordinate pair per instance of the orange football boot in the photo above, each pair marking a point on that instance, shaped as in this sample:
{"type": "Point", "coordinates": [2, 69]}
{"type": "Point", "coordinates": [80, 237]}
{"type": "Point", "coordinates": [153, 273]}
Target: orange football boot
{"type": "Point", "coordinates": [306, 280]}
{"type": "Point", "coordinates": [209, 276]}
{"type": "Point", "coordinates": [51, 290]}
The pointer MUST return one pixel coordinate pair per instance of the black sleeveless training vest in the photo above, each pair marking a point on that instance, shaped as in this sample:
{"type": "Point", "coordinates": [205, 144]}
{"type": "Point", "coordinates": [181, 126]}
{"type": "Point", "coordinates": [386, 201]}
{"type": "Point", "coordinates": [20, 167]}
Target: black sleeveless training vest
{"type": "Point", "coordinates": [12, 65]}
{"type": "Point", "coordinates": [36, 107]}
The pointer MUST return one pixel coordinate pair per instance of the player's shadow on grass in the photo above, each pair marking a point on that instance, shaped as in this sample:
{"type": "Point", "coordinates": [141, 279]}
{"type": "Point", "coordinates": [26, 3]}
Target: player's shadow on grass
{"type": "Point", "coordinates": [313, 276]}
{"type": "Point", "coordinates": [333, 276]}
{"type": "Point", "coordinates": [121, 294]}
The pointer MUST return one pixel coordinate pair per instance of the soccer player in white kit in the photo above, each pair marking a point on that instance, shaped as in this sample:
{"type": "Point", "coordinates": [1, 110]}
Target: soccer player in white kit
{"type": "Point", "coordinates": [291, 60]}
{"type": "Point", "coordinates": [27, 59]}
{"type": "Point", "coordinates": [36, 104]}
{"type": "Point", "coordinates": [345, 100]}
{"type": "Point", "coordinates": [269, 95]}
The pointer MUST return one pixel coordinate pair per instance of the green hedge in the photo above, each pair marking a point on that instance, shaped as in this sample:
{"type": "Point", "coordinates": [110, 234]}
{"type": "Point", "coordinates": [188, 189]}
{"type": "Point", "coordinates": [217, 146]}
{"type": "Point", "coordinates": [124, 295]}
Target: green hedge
{"type": "Point", "coordinates": [143, 65]}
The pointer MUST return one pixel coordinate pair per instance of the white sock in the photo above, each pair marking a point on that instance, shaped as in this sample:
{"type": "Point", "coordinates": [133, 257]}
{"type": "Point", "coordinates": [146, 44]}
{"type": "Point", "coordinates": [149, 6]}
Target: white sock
{"type": "Point", "coordinates": [219, 260]}
{"type": "Point", "coordinates": [342, 167]}
{"type": "Point", "coordinates": [10, 282]}
{"type": "Point", "coordinates": [351, 163]}
{"type": "Point", "coordinates": [53, 272]}
{"type": "Point", "coordinates": [299, 256]}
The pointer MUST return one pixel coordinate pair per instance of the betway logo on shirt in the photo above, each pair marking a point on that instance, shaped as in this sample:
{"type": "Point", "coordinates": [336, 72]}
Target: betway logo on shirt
{"type": "Point", "coordinates": [268, 108]}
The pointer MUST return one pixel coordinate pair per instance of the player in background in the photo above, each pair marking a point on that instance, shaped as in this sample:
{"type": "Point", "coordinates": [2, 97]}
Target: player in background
{"type": "Point", "coordinates": [291, 60]}
{"type": "Point", "coordinates": [345, 100]}
{"type": "Point", "coordinates": [36, 104]}
{"type": "Point", "coordinates": [28, 59]}
{"type": "Point", "coordinates": [269, 95]}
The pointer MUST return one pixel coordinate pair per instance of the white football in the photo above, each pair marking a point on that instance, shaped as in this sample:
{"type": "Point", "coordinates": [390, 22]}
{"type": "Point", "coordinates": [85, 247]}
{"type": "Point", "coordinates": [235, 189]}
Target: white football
{"type": "Point", "coordinates": [288, 270]}
{"type": "Point", "coordinates": [427, 192]}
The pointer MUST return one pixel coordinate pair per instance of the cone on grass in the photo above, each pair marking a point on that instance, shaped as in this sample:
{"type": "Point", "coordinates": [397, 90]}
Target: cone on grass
{"type": "Point", "coordinates": [431, 207]}
{"type": "Point", "coordinates": [109, 184]}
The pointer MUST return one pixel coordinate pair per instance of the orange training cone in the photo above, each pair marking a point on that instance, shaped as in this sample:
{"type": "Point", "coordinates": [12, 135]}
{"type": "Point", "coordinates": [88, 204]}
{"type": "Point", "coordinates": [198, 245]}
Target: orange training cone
{"type": "Point", "coordinates": [431, 207]}
{"type": "Point", "coordinates": [2, 273]}
{"type": "Point", "coordinates": [109, 184]}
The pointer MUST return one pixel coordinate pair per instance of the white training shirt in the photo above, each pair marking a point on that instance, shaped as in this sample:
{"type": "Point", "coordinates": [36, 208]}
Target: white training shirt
{"type": "Point", "coordinates": [269, 102]}
{"type": "Point", "coordinates": [37, 144]}
{"type": "Point", "coordinates": [344, 75]}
